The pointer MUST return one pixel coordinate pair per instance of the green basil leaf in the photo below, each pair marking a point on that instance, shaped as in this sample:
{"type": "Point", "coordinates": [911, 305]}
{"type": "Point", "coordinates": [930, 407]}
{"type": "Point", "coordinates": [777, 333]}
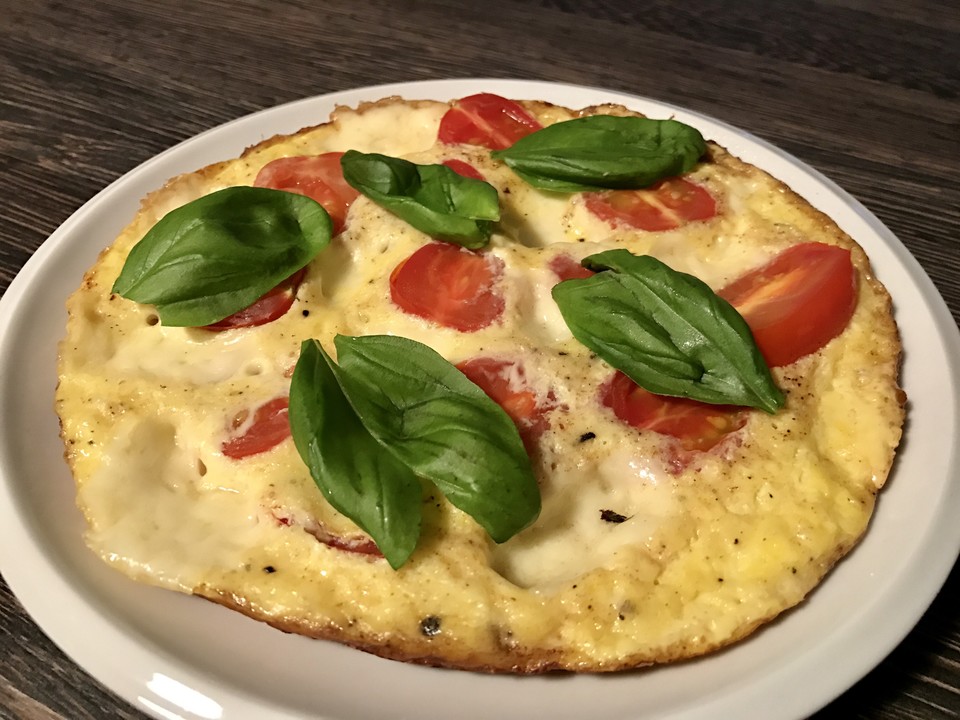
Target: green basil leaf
{"type": "Point", "coordinates": [365, 483]}
{"type": "Point", "coordinates": [432, 198]}
{"type": "Point", "coordinates": [604, 151]}
{"type": "Point", "coordinates": [668, 331]}
{"type": "Point", "coordinates": [436, 421]}
{"type": "Point", "coordinates": [218, 254]}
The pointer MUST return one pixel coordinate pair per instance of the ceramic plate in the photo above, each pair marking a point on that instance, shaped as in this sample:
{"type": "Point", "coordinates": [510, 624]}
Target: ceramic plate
{"type": "Point", "coordinates": [175, 656]}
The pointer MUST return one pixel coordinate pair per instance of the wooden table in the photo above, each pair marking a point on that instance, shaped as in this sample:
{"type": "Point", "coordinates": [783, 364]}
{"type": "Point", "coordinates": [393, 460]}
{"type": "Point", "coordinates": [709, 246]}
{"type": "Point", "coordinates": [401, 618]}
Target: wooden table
{"type": "Point", "coordinates": [866, 92]}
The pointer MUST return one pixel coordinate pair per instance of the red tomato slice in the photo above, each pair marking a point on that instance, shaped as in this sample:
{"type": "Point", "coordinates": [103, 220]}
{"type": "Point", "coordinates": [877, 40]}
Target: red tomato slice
{"type": "Point", "coordinates": [697, 425]}
{"type": "Point", "coordinates": [361, 544]}
{"type": "Point", "coordinates": [464, 168]}
{"type": "Point", "coordinates": [566, 268]}
{"type": "Point", "coordinates": [504, 382]}
{"type": "Point", "coordinates": [487, 120]}
{"type": "Point", "coordinates": [269, 428]}
{"type": "Point", "coordinates": [269, 307]}
{"type": "Point", "coordinates": [357, 543]}
{"type": "Point", "coordinates": [319, 177]}
{"type": "Point", "coordinates": [798, 302]}
{"type": "Point", "coordinates": [450, 286]}
{"type": "Point", "coordinates": [665, 205]}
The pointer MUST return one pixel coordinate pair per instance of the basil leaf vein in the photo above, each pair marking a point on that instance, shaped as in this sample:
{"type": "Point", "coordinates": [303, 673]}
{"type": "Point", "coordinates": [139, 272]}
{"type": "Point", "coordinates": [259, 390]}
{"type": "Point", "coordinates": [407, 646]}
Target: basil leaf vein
{"type": "Point", "coordinates": [371, 487]}
{"type": "Point", "coordinates": [218, 254]}
{"type": "Point", "coordinates": [604, 151]}
{"type": "Point", "coordinates": [667, 330]}
{"type": "Point", "coordinates": [432, 198]}
{"type": "Point", "coordinates": [436, 421]}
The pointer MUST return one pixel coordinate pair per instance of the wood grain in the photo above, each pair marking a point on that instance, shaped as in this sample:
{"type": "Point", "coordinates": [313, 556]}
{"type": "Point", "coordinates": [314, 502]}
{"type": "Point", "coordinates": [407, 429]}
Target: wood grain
{"type": "Point", "coordinates": [866, 92]}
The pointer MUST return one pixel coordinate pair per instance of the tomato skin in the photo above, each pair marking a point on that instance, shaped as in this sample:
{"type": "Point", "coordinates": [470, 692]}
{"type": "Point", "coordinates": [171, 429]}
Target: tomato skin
{"type": "Point", "coordinates": [487, 120]}
{"type": "Point", "coordinates": [269, 428]}
{"type": "Point", "coordinates": [355, 543]}
{"type": "Point", "coordinates": [665, 205]}
{"type": "Point", "coordinates": [359, 544]}
{"type": "Point", "coordinates": [798, 302]}
{"type": "Point", "coordinates": [464, 168]}
{"type": "Point", "coordinates": [566, 267]}
{"type": "Point", "coordinates": [271, 305]}
{"type": "Point", "coordinates": [319, 177]}
{"type": "Point", "coordinates": [520, 403]}
{"type": "Point", "coordinates": [450, 286]}
{"type": "Point", "coordinates": [697, 425]}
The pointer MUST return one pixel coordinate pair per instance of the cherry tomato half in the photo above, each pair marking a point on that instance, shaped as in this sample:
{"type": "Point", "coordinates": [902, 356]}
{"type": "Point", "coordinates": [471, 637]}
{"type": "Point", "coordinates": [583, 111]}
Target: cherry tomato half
{"type": "Point", "coordinates": [319, 177]}
{"type": "Point", "coordinates": [450, 286]}
{"type": "Point", "coordinates": [267, 308]}
{"type": "Point", "coordinates": [697, 425]}
{"type": "Point", "coordinates": [464, 168]}
{"type": "Point", "coordinates": [269, 428]}
{"type": "Point", "coordinates": [504, 382]}
{"type": "Point", "coordinates": [798, 302]}
{"type": "Point", "coordinates": [360, 544]}
{"type": "Point", "coordinates": [665, 205]}
{"type": "Point", "coordinates": [487, 120]}
{"type": "Point", "coordinates": [566, 268]}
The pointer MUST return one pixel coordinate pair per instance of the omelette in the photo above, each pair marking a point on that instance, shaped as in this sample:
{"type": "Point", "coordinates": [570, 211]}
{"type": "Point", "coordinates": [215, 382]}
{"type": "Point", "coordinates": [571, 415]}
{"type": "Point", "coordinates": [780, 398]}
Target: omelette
{"type": "Point", "coordinates": [665, 527]}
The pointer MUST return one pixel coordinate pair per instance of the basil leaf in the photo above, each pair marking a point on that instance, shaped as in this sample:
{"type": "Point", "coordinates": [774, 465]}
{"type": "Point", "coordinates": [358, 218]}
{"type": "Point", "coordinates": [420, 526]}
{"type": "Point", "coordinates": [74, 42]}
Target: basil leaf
{"type": "Point", "coordinates": [604, 151]}
{"type": "Point", "coordinates": [668, 331]}
{"type": "Point", "coordinates": [357, 477]}
{"type": "Point", "coordinates": [218, 254]}
{"type": "Point", "coordinates": [432, 198]}
{"type": "Point", "coordinates": [445, 428]}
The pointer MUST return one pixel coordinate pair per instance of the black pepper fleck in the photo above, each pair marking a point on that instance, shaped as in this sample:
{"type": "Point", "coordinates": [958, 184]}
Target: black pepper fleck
{"type": "Point", "coordinates": [612, 517]}
{"type": "Point", "coordinates": [430, 625]}
{"type": "Point", "coordinates": [587, 436]}
{"type": "Point", "coordinates": [306, 313]}
{"type": "Point", "coordinates": [269, 569]}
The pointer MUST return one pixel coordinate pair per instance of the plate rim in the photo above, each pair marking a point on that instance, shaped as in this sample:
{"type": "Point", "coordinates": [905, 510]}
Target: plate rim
{"type": "Point", "coordinates": [14, 525]}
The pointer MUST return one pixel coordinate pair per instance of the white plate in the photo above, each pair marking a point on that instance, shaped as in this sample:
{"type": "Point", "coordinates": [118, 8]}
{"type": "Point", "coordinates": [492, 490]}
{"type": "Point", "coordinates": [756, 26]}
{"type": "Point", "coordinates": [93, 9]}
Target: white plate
{"type": "Point", "coordinates": [178, 657]}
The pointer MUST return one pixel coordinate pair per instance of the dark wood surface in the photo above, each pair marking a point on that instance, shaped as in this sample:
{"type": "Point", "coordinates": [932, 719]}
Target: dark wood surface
{"type": "Point", "coordinates": [866, 92]}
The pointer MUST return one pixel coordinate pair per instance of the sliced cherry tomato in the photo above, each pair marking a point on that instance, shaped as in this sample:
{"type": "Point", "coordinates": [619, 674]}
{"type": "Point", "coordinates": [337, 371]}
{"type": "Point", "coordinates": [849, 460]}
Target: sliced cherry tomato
{"type": "Point", "coordinates": [697, 425]}
{"type": "Point", "coordinates": [269, 428]}
{"type": "Point", "coordinates": [269, 307]}
{"type": "Point", "coordinates": [504, 382]}
{"type": "Point", "coordinates": [665, 205]}
{"type": "Point", "coordinates": [566, 268]}
{"type": "Point", "coordinates": [464, 168]}
{"type": "Point", "coordinates": [798, 302]}
{"type": "Point", "coordinates": [359, 544]}
{"type": "Point", "coordinates": [450, 286]}
{"type": "Point", "coordinates": [318, 177]}
{"type": "Point", "coordinates": [487, 120]}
